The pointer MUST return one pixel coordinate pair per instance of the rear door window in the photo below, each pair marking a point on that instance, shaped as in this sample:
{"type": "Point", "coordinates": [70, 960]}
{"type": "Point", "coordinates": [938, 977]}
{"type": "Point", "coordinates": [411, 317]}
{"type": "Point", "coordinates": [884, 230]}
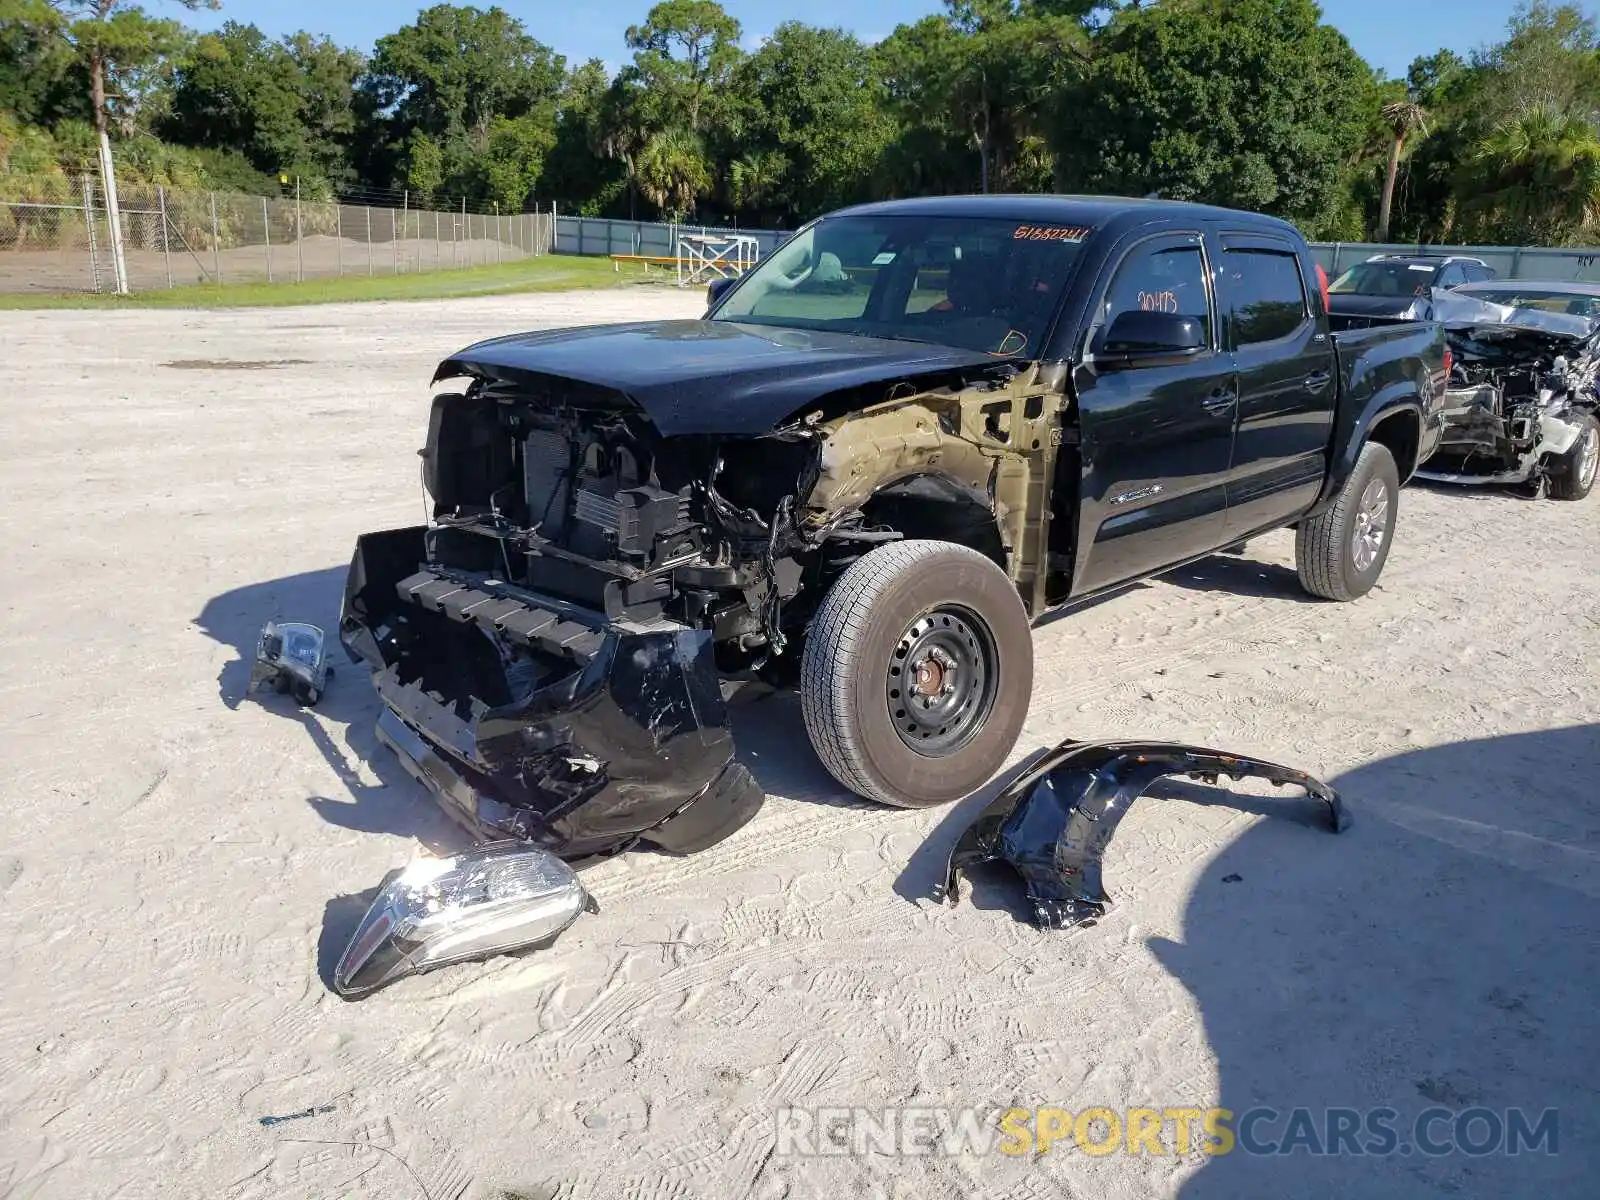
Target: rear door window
{"type": "Point", "coordinates": [1265, 293]}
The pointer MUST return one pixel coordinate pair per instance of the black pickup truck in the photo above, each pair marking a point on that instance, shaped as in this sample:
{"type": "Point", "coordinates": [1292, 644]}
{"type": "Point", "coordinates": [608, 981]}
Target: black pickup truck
{"type": "Point", "coordinates": [882, 453]}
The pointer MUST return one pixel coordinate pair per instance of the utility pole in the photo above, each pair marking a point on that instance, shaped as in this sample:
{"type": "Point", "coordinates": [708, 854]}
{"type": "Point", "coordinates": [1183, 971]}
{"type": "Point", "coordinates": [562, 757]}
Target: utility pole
{"type": "Point", "coordinates": [108, 172]}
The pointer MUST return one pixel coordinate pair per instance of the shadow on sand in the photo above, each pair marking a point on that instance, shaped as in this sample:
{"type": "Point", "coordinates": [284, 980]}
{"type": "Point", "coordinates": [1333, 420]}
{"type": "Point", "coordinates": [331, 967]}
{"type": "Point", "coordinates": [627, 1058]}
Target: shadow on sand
{"type": "Point", "coordinates": [1242, 577]}
{"type": "Point", "coordinates": [1441, 954]}
{"type": "Point", "coordinates": [1444, 953]}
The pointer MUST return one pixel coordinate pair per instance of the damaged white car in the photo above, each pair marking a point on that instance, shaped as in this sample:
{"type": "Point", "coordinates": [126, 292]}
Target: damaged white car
{"type": "Point", "coordinates": [1521, 407]}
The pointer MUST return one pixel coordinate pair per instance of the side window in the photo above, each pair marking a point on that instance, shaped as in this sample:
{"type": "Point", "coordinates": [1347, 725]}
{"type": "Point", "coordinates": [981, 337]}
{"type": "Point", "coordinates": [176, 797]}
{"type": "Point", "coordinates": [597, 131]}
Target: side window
{"type": "Point", "coordinates": [1268, 296]}
{"type": "Point", "coordinates": [1452, 276]}
{"type": "Point", "coordinates": [1160, 278]}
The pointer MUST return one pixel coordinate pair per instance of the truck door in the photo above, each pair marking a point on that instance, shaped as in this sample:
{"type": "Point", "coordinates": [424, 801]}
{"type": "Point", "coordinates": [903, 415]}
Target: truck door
{"type": "Point", "coordinates": [1287, 381]}
{"type": "Point", "coordinates": [1157, 432]}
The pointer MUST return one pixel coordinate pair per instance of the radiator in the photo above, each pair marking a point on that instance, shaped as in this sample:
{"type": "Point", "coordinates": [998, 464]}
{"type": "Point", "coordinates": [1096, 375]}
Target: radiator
{"type": "Point", "coordinates": [547, 480]}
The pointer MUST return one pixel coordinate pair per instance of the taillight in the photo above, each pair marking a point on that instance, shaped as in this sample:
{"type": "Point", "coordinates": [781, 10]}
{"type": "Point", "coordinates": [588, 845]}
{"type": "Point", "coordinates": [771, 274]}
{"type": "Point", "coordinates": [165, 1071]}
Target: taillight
{"type": "Point", "coordinates": [1449, 362]}
{"type": "Point", "coordinates": [1322, 282]}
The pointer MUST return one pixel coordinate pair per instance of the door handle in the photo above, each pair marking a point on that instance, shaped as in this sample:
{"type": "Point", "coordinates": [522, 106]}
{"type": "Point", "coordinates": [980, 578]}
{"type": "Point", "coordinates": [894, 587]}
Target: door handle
{"type": "Point", "coordinates": [1220, 400]}
{"type": "Point", "coordinates": [1318, 382]}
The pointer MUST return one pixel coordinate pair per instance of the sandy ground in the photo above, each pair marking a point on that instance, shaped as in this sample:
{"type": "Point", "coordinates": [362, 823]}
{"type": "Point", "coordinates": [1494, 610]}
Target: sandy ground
{"type": "Point", "coordinates": [180, 865]}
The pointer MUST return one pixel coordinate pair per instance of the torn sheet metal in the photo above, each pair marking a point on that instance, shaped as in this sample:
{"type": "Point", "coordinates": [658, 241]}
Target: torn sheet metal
{"type": "Point", "coordinates": [1459, 311]}
{"type": "Point", "coordinates": [1053, 824]}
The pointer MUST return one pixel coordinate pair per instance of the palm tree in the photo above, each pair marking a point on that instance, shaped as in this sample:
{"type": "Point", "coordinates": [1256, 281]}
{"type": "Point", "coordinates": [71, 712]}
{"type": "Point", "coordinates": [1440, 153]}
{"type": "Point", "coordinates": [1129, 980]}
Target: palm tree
{"type": "Point", "coordinates": [754, 179]}
{"type": "Point", "coordinates": [1403, 118]}
{"type": "Point", "coordinates": [672, 172]}
{"type": "Point", "coordinates": [1535, 178]}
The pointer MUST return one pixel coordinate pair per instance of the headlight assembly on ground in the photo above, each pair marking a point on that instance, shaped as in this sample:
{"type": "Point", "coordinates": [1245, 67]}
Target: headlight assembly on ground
{"type": "Point", "coordinates": [292, 657]}
{"type": "Point", "coordinates": [493, 900]}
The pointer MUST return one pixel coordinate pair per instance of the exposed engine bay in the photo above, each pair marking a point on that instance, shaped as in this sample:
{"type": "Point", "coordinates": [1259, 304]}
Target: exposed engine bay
{"type": "Point", "coordinates": [572, 495]}
{"type": "Point", "coordinates": [1522, 388]}
{"type": "Point", "coordinates": [555, 650]}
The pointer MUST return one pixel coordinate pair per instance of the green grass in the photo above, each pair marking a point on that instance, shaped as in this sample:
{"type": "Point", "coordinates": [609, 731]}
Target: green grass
{"type": "Point", "coordinates": [548, 273]}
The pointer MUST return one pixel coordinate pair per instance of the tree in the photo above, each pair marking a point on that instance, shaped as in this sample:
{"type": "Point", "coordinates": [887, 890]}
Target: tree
{"type": "Point", "coordinates": [577, 170]}
{"type": "Point", "coordinates": [452, 75]}
{"type": "Point", "coordinates": [38, 85]}
{"type": "Point", "coordinates": [1535, 179]}
{"type": "Point", "coordinates": [123, 49]}
{"type": "Point", "coordinates": [1248, 103]}
{"type": "Point", "coordinates": [755, 179]}
{"type": "Point", "coordinates": [983, 74]}
{"type": "Point", "coordinates": [425, 165]}
{"type": "Point", "coordinates": [1550, 60]}
{"type": "Point", "coordinates": [806, 127]}
{"type": "Point", "coordinates": [672, 172]}
{"type": "Point", "coordinates": [1403, 118]}
{"type": "Point", "coordinates": [683, 52]}
{"type": "Point", "coordinates": [513, 157]}
{"type": "Point", "coordinates": [287, 105]}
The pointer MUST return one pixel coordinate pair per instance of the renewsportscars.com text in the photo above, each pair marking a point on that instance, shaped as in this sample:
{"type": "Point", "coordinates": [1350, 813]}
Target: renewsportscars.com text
{"type": "Point", "coordinates": [1100, 1130]}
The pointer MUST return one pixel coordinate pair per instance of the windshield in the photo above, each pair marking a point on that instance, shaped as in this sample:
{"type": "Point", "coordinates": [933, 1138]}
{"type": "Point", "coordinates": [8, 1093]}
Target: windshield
{"type": "Point", "coordinates": [989, 285]}
{"type": "Point", "coordinates": [1572, 303]}
{"type": "Point", "coordinates": [1386, 279]}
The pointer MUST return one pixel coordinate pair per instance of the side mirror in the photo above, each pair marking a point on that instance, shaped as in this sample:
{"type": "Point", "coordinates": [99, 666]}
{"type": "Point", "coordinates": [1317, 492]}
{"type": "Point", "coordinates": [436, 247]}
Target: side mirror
{"type": "Point", "coordinates": [1136, 336]}
{"type": "Point", "coordinates": [716, 290]}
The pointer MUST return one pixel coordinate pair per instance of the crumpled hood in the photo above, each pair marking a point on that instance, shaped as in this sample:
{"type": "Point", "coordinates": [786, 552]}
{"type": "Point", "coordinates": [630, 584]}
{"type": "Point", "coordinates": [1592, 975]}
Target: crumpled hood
{"type": "Point", "coordinates": [1457, 311]}
{"type": "Point", "coordinates": [708, 377]}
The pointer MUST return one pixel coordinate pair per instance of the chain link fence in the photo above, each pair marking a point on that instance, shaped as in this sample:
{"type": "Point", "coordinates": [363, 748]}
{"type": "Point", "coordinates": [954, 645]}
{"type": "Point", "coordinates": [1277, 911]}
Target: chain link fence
{"type": "Point", "coordinates": [174, 238]}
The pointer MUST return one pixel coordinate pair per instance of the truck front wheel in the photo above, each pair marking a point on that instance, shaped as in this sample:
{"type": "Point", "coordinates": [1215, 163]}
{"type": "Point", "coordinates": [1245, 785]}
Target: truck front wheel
{"type": "Point", "coordinates": [1340, 552]}
{"type": "Point", "coordinates": [917, 673]}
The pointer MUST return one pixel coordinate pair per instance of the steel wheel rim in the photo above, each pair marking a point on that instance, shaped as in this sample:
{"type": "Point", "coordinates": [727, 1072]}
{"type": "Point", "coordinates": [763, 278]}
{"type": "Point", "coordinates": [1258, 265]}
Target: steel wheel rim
{"type": "Point", "coordinates": [941, 681]}
{"type": "Point", "coordinates": [1372, 525]}
{"type": "Point", "coordinates": [1589, 459]}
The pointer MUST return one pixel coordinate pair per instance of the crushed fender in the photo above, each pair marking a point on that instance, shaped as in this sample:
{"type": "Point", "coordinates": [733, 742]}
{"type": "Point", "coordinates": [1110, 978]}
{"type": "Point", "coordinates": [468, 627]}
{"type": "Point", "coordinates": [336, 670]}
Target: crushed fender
{"type": "Point", "coordinates": [1054, 822]}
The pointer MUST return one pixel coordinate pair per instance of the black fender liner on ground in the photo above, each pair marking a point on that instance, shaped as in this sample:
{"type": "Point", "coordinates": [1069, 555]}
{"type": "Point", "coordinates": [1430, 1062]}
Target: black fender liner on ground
{"type": "Point", "coordinates": [1054, 822]}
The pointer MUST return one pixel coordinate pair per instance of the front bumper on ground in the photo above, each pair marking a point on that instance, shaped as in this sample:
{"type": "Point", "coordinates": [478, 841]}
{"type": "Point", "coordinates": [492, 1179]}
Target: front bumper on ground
{"type": "Point", "coordinates": [529, 718]}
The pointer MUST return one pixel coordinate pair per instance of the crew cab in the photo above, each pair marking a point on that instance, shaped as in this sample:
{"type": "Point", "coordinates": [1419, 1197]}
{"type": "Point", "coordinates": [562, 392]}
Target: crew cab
{"type": "Point", "coordinates": [880, 455]}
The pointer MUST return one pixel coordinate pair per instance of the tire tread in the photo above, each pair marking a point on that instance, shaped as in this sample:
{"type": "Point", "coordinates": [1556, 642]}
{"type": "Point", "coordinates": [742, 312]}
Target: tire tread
{"type": "Point", "coordinates": [836, 647]}
{"type": "Point", "coordinates": [1319, 548]}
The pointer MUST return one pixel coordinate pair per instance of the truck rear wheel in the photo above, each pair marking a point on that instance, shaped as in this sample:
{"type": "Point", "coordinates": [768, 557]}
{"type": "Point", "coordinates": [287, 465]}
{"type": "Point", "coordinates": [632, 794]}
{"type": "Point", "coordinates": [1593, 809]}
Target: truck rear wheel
{"type": "Point", "coordinates": [1575, 472]}
{"type": "Point", "coordinates": [1340, 552]}
{"type": "Point", "coordinates": [917, 674]}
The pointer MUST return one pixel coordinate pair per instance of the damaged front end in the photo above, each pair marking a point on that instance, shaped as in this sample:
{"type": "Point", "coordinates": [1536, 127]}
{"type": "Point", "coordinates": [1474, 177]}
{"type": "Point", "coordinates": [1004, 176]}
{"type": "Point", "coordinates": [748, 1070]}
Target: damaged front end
{"type": "Point", "coordinates": [1054, 822]}
{"type": "Point", "coordinates": [615, 549]}
{"type": "Point", "coordinates": [1521, 391]}
{"type": "Point", "coordinates": [531, 718]}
